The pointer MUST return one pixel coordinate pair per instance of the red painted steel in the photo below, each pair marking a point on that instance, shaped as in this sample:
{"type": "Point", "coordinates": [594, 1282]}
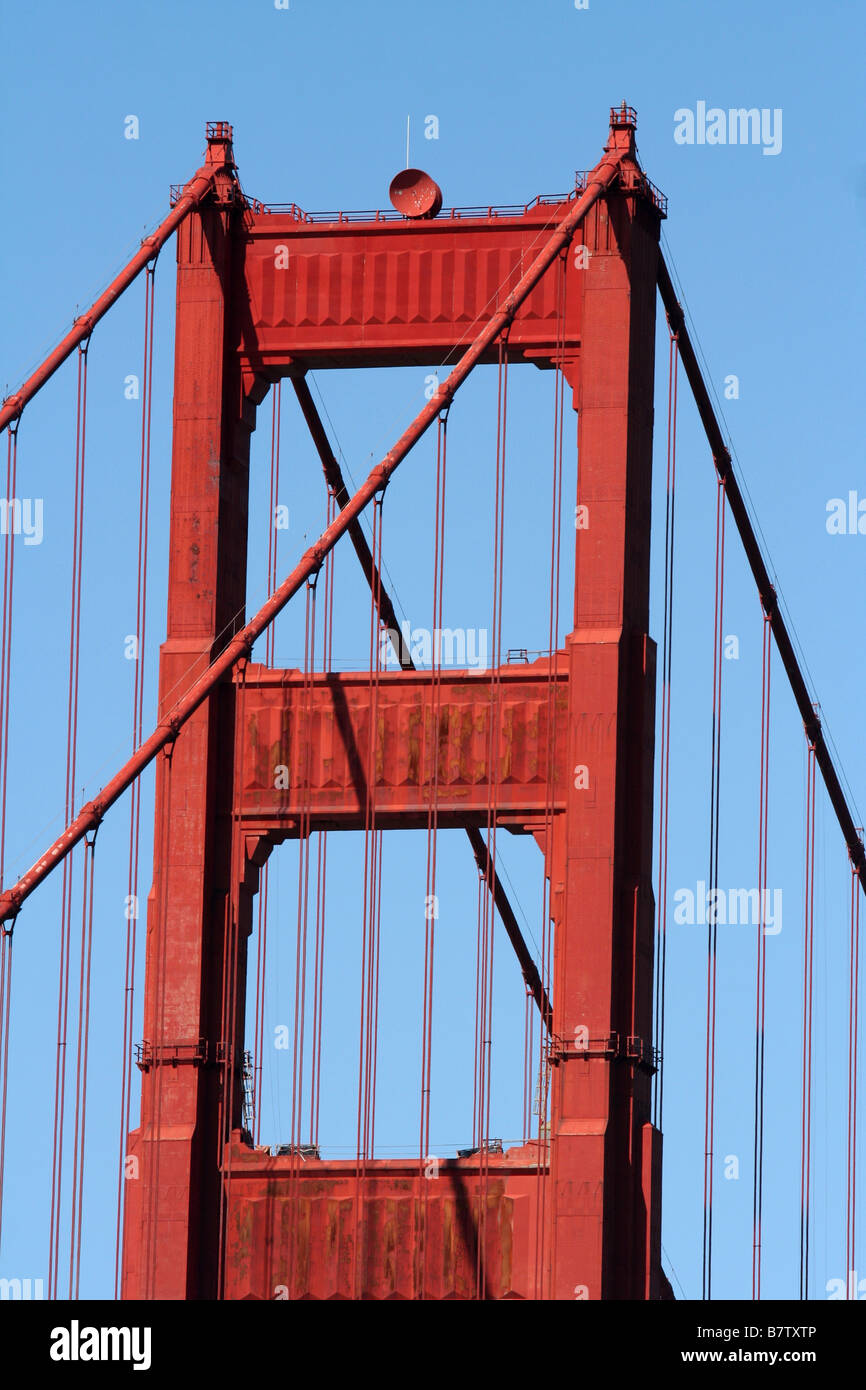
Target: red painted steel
{"type": "Point", "coordinates": [262, 295]}
{"type": "Point", "coordinates": [414, 194]}
{"type": "Point", "coordinates": [372, 294]}
{"type": "Point", "coordinates": [605, 1158]}
{"type": "Point", "coordinates": [199, 908]}
{"type": "Point", "coordinates": [383, 293]}
{"type": "Point", "coordinates": [332, 720]}
{"type": "Point", "coordinates": [314, 1255]}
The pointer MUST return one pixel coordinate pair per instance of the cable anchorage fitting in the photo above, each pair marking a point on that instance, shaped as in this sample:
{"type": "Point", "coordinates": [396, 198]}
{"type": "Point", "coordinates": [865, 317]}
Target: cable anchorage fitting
{"type": "Point", "coordinates": [676, 319]}
{"type": "Point", "coordinates": [172, 727]}
{"type": "Point", "coordinates": [770, 603]}
{"type": "Point", "coordinates": [15, 403]}
{"type": "Point", "coordinates": [94, 811]}
{"type": "Point", "coordinates": [8, 918]}
{"type": "Point", "coordinates": [812, 726]}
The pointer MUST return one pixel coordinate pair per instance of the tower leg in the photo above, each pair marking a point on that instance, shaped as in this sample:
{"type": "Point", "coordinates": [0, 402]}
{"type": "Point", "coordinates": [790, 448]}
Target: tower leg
{"type": "Point", "coordinates": [603, 1213]}
{"type": "Point", "coordinates": [173, 1194]}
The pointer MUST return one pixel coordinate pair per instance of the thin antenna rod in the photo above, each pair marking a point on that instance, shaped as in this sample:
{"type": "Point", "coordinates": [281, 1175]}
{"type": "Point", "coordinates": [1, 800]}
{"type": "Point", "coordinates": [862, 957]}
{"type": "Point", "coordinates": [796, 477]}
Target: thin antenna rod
{"type": "Point", "coordinates": [408, 123]}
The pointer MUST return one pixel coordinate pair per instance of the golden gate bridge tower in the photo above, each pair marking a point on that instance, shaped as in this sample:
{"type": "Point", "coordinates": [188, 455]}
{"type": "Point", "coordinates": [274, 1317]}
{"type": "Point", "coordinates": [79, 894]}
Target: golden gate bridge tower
{"type": "Point", "coordinates": [387, 293]}
{"type": "Point", "coordinates": [560, 749]}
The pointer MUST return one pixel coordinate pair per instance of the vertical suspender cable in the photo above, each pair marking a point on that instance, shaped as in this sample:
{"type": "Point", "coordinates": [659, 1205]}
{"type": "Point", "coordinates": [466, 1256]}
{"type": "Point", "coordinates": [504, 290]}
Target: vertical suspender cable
{"type": "Point", "coordinates": [528, 1057]}
{"type": "Point", "coordinates": [761, 973]}
{"type": "Point", "coordinates": [5, 1016]}
{"type": "Point", "coordinates": [665, 758]}
{"type": "Point", "coordinates": [152, 1125]}
{"type": "Point", "coordinates": [369, 914]}
{"type": "Point", "coordinates": [542, 1086]}
{"type": "Point", "coordinates": [374, 933]}
{"type": "Point", "coordinates": [493, 754]}
{"type": "Point", "coordinates": [375, 872]}
{"type": "Point", "coordinates": [430, 899]}
{"type": "Point", "coordinates": [321, 862]}
{"type": "Point", "coordinates": [262, 932]}
{"type": "Point", "coordinates": [303, 755]}
{"type": "Point", "coordinates": [712, 896]}
{"type": "Point", "coordinates": [132, 900]}
{"type": "Point", "coordinates": [303, 870]}
{"type": "Point", "coordinates": [806, 1103]}
{"type": "Point", "coordinates": [851, 1147]}
{"type": "Point", "coordinates": [78, 1144]}
{"type": "Point", "coordinates": [5, 694]}
{"type": "Point", "coordinates": [67, 881]}
{"type": "Point", "coordinates": [478, 1029]}
{"type": "Point", "coordinates": [231, 1021]}
{"type": "Point", "coordinates": [6, 642]}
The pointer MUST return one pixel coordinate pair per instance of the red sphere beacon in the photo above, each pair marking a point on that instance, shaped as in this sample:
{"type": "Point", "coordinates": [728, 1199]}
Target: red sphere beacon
{"type": "Point", "coordinates": [415, 194]}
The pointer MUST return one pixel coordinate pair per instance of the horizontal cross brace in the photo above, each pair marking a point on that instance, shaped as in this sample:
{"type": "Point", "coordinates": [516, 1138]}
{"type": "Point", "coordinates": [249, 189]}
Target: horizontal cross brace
{"type": "Point", "coordinates": [396, 293]}
{"type": "Point", "coordinates": [308, 757]}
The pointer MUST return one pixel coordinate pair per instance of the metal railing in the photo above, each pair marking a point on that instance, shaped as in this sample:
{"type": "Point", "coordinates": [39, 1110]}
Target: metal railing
{"type": "Point", "coordinates": [506, 210]}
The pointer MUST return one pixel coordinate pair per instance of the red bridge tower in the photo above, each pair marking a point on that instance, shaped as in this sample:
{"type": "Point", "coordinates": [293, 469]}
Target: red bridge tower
{"type": "Point", "coordinates": [578, 1216]}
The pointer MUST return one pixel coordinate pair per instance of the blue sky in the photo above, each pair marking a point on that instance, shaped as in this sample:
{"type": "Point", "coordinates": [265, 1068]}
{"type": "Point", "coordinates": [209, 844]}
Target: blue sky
{"type": "Point", "coordinates": [768, 250]}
